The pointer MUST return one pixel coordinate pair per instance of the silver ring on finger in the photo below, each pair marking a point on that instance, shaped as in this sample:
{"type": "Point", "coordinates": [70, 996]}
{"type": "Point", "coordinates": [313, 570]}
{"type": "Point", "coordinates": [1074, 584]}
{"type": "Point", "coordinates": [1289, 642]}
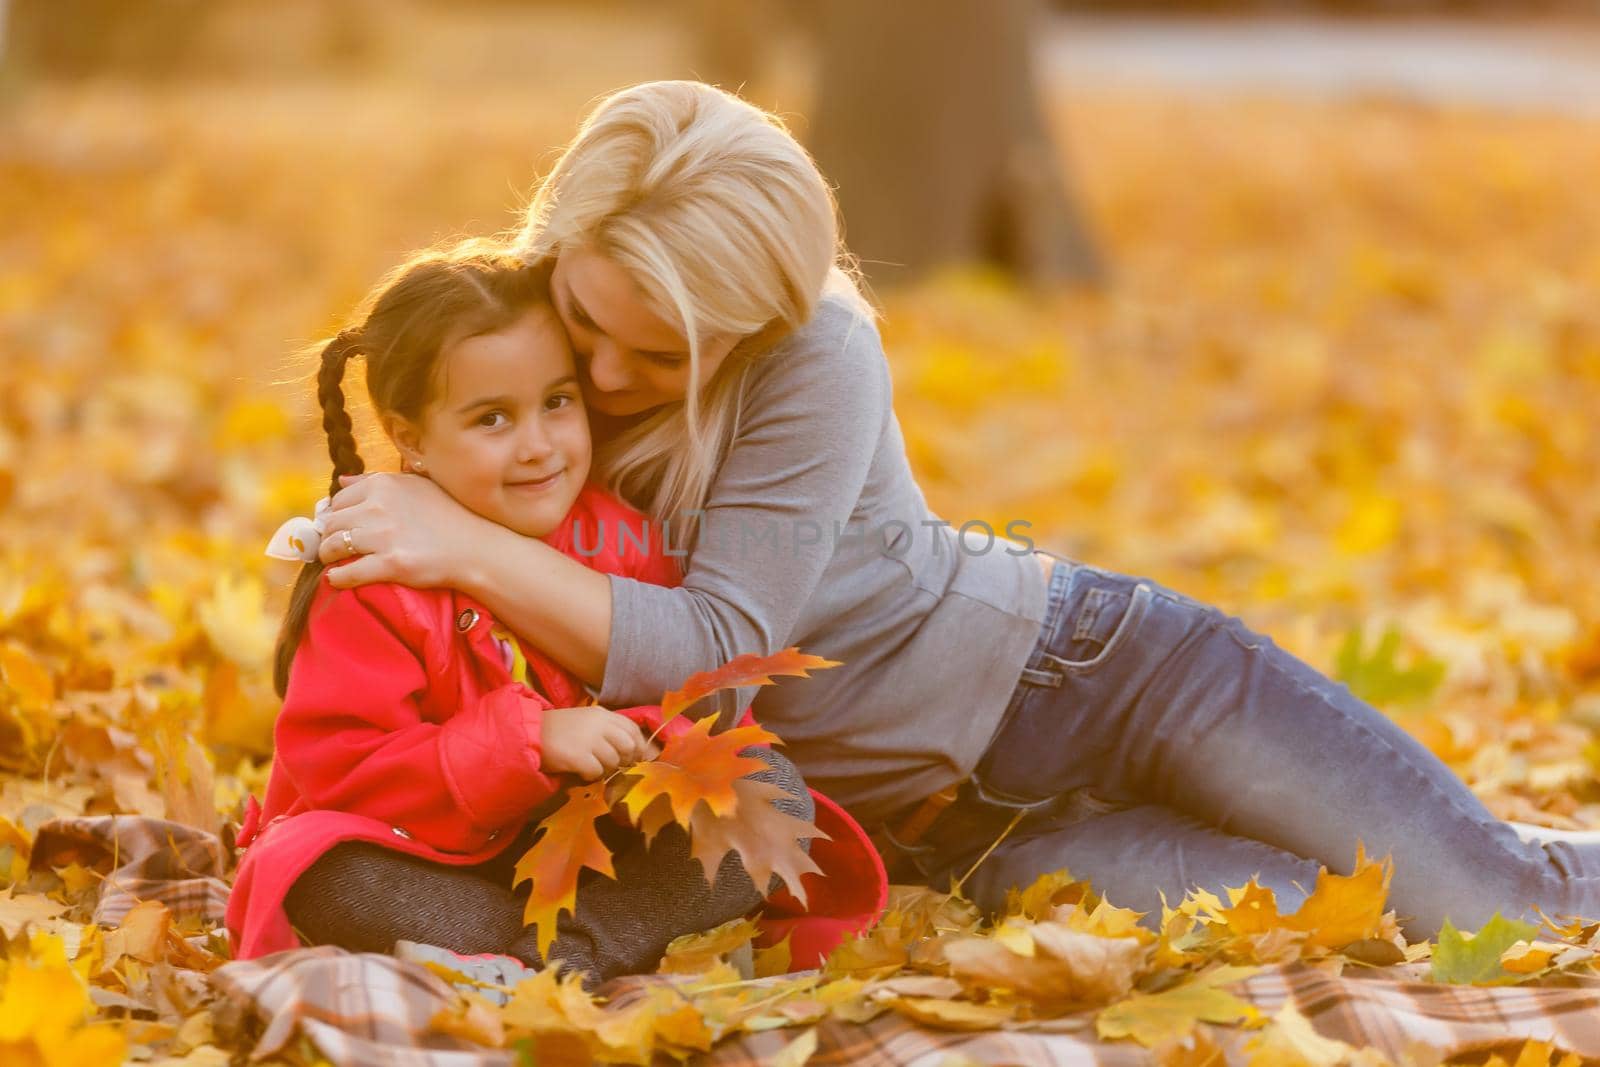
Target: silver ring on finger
{"type": "Point", "coordinates": [349, 543]}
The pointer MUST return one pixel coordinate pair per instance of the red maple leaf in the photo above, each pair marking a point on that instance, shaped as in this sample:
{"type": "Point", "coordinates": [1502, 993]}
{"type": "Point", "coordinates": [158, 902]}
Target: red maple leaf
{"type": "Point", "coordinates": [749, 669]}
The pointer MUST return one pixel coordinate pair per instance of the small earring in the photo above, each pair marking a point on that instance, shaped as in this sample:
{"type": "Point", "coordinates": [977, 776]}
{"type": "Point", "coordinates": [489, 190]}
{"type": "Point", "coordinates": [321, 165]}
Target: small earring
{"type": "Point", "coordinates": [417, 466]}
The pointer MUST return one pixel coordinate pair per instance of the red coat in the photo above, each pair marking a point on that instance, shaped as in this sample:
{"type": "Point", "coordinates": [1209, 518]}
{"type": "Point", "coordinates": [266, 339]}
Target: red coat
{"type": "Point", "coordinates": [403, 726]}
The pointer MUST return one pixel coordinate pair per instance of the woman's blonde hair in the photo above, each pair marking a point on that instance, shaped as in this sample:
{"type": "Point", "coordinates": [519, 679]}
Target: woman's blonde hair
{"type": "Point", "coordinates": [726, 225]}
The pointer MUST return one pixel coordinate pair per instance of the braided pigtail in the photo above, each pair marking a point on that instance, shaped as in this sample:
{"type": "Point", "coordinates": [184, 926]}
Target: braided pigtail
{"type": "Point", "coordinates": [335, 419]}
{"type": "Point", "coordinates": [337, 425]}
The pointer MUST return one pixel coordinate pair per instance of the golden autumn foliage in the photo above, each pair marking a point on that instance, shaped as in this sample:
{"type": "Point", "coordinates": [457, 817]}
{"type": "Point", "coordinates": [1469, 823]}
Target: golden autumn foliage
{"type": "Point", "coordinates": [1344, 384]}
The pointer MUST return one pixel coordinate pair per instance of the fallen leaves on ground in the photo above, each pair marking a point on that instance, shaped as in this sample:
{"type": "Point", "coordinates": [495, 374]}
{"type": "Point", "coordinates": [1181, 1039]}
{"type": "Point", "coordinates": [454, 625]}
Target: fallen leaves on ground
{"type": "Point", "coordinates": [1061, 954]}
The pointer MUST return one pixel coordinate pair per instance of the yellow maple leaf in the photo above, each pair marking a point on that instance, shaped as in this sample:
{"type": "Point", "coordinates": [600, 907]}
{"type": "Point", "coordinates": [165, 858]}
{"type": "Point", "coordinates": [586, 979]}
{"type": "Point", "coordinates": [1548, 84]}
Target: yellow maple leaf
{"type": "Point", "coordinates": [1043, 894]}
{"type": "Point", "coordinates": [77, 878]}
{"type": "Point", "coordinates": [1371, 525]}
{"type": "Point", "coordinates": [142, 934]}
{"type": "Point", "coordinates": [1107, 920]}
{"type": "Point", "coordinates": [17, 910]}
{"type": "Point", "coordinates": [693, 953]}
{"type": "Point", "coordinates": [44, 1009]}
{"type": "Point", "coordinates": [13, 837]}
{"type": "Point", "coordinates": [1064, 966]}
{"type": "Point", "coordinates": [235, 620]}
{"type": "Point", "coordinates": [29, 680]}
{"type": "Point", "coordinates": [1153, 1019]}
{"type": "Point", "coordinates": [1344, 909]}
{"type": "Point", "coordinates": [1254, 910]}
{"type": "Point", "coordinates": [563, 1024]}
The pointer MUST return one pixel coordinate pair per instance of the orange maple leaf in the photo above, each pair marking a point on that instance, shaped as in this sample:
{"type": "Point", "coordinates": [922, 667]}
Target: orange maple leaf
{"type": "Point", "coordinates": [766, 839]}
{"type": "Point", "coordinates": [749, 669]}
{"type": "Point", "coordinates": [696, 767]}
{"type": "Point", "coordinates": [567, 843]}
{"type": "Point", "coordinates": [1343, 909]}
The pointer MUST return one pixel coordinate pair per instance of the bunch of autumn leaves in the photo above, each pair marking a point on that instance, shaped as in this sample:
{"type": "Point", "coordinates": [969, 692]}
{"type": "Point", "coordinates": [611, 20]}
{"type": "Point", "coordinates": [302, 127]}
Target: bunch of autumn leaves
{"type": "Point", "coordinates": [699, 781]}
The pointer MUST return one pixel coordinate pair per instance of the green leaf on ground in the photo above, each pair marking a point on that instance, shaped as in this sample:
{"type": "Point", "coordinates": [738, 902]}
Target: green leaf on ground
{"type": "Point", "coordinates": [1462, 960]}
{"type": "Point", "coordinates": [1378, 677]}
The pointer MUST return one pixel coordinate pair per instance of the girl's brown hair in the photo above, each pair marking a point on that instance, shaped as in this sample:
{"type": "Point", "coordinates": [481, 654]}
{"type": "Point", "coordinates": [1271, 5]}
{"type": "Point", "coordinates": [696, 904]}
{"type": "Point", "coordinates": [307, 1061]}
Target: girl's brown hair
{"type": "Point", "coordinates": [423, 306]}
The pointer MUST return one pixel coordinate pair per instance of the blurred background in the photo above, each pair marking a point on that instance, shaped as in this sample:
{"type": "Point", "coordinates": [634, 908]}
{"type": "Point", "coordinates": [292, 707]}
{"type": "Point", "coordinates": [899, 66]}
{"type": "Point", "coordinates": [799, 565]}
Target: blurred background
{"type": "Point", "coordinates": [1289, 305]}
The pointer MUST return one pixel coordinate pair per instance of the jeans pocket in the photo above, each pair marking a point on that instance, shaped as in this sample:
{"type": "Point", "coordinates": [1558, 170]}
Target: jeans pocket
{"type": "Point", "coordinates": [1106, 619]}
{"type": "Point", "coordinates": [1051, 739]}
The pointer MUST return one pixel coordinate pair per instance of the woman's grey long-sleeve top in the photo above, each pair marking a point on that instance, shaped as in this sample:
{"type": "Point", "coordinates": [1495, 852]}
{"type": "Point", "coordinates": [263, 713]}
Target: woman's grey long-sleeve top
{"type": "Point", "coordinates": [815, 534]}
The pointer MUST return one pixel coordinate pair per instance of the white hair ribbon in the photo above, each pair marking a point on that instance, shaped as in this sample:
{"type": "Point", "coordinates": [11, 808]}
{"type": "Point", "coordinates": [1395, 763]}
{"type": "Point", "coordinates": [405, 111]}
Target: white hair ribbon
{"type": "Point", "coordinates": [300, 537]}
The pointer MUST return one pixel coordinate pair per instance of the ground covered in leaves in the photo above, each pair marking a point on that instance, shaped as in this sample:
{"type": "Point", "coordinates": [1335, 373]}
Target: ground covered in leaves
{"type": "Point", "coordinates": [1344, 383]}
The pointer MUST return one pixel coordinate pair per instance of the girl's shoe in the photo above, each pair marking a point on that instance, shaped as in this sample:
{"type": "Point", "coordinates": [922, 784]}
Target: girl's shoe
{"type": "Point", "coordinates": [490, 975]}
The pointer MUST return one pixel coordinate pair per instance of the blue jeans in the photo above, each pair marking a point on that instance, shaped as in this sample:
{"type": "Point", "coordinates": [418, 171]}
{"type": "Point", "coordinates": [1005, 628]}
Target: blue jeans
{"type": "Point", "coordinates": [1155, 744]}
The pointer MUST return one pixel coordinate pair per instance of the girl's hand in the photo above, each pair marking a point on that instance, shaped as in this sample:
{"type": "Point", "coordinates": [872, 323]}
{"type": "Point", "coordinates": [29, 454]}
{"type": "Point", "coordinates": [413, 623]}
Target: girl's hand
{"type": "Point", "coordinates": [404, 529]}
{"type": "Point", "coordinates": [590, 742]}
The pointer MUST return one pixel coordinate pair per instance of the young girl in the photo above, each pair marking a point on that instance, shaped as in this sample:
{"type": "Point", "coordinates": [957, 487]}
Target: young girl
{"type": "Point", "coordinates": [418, 741]}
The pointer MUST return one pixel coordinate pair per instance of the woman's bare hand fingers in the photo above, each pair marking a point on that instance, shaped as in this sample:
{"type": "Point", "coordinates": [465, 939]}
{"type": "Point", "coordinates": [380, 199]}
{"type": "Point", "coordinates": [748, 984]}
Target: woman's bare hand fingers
{"type": "Point", "coordinates": [334, 547]}
{"type": "Point", "coordinates": [355, 491]}
{"type": "Point", "coordinates": [362, 540]}
{"type": "Point", "coordinates": [363, 570]}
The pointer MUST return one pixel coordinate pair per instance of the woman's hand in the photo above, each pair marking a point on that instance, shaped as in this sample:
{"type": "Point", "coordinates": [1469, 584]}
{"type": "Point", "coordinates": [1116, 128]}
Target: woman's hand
{"type": "Point", "coordinates": [590, 742]}
{"type": "Point", "coordinates": [404, 529]}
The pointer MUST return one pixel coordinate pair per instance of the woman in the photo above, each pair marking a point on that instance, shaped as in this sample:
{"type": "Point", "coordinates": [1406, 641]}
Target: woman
{"type": "Point", "coordinates": [1096, 721]}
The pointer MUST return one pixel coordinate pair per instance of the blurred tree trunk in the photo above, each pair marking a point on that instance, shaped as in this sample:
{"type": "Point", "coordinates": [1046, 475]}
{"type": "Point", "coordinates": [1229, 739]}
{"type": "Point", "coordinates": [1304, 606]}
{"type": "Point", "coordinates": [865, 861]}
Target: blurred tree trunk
{"type": "Point", "coordinates": [733, 38]}
{"type": "Point", "coordinates": [928, 120]}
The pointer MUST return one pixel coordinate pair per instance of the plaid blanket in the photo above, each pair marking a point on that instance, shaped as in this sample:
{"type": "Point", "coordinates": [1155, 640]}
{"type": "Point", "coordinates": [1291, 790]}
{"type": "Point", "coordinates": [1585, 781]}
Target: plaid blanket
{"type": "Point", "coordinates": [150, 859]}
{"type": "Point", "coordinates": [357, 1008]}
{"type": "Point", "coordinates": [374, 1010]}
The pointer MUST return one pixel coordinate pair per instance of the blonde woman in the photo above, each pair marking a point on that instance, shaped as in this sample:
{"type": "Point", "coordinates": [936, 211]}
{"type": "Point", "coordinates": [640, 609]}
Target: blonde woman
{"type": "Point", "coordinates": [1111, 725]}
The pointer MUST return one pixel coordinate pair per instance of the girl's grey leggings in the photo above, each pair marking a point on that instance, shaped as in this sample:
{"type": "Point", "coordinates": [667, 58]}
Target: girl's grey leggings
{"type": "Point", "coordinates": [364, 897]}
{"type": "Point", "coordinates": [1157, 744]}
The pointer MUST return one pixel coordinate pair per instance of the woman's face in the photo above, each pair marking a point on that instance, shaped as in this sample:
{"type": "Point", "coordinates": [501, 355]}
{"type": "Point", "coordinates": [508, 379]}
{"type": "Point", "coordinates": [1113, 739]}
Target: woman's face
{"type": "Point", "coordinates": [630, 359]}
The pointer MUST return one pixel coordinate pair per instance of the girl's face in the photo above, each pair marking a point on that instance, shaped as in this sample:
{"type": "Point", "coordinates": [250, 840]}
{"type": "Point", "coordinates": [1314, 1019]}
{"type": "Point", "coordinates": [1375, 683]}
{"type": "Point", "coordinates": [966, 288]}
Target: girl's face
{"type": "Point", "coordinates": [506, 433]}
{"type": "Point", "coordinates": [632, 360]}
